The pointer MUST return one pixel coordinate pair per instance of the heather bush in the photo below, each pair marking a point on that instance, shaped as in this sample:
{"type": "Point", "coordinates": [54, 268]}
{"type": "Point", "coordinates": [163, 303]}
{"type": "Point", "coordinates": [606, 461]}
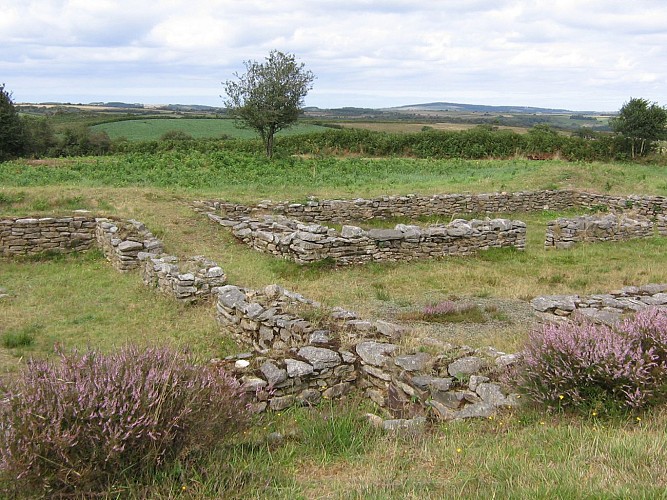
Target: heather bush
{"type": "Point", "coordinates": [447, 311]}
{"type": "Point", "coordinates": [587, 365]}
{"type": "Point", "coordinates": [81, 422]}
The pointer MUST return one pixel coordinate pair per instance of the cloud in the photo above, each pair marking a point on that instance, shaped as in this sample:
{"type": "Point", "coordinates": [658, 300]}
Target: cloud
{"type": "Point", "coordinates": [564, 53]}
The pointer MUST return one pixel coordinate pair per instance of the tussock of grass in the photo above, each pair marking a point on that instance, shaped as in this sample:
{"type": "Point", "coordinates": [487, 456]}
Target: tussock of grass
{"type": "Point", "coordinates": [20, 337]}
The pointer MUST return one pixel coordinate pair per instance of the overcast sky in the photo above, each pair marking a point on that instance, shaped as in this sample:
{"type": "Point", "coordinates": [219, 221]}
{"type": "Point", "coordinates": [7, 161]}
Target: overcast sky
{"type": "Point", "coordinates": [573, 54]}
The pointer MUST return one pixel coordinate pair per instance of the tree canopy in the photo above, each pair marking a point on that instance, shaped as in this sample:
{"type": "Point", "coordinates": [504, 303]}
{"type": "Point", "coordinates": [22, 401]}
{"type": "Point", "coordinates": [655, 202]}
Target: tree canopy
{"type": "Point", "coordinates": [641, 123]}
{"type": "Point", "coordinates": [269, 96]}
{"type": "Point", "coordinates": [11, 127]}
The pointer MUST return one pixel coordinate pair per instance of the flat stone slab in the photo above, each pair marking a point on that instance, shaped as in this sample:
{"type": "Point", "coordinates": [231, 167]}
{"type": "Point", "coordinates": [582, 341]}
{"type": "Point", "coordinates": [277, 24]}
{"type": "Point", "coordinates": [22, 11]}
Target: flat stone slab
{"type": "Point", "coordinates": [469, 365]}
{"type": "Point", "coordinates": [130, 246]}
{"type": "Point", "coordinates": [320, 357]}
{"type": "Point", "coordinates": [603, 316]}
{"type": "Point", "coordinates": [551, 302]}
{"type": "Point", "coordinates": [296, 368]}
{"type": "Point", "coordinates": [230, 296]}
{"type": "Point", "coordinates": [385, 234]}
{"type": "Point", "coordinates": [375, 353]}
{"type": "Point", "coordinates": [273, 374]}
{"type": "Point", "coordinates": [413, 362]}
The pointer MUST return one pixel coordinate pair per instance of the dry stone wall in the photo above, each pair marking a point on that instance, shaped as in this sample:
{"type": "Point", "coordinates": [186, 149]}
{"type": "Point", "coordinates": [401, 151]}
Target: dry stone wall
{"type": "Point", "coordinates": [127, 244]}
{"type": "Point", "coordinates": [190, 281]}
{"type": "Point", "coordinates": [299, 361]}
{"type": "Point", "coordinates": [414, 206]}
{"type": "Point", "coordinates": [601, 308]}
{"type": "Point", "coordinates": [566, 232]}
{"type": "Point", "coordinates": [122, 241]}
{"type": "Point", "coordinates": [304, 243]}
{"type": "Point", "coordinates": [31, 236]}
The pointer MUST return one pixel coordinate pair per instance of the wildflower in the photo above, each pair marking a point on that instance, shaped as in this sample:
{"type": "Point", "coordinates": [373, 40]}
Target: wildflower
{"type": "Point", "coordinates": [595, 414]}
{"type": "Point", "coordinates": [542, 422]}
{"type": "Point", "coordinates": [183, 488]}
{"type": "Point", "coordinates": [458, 450]}
{"type": "Point", "coordinates": [639, 419]}
{"type": "Point", "coordinates": [561, 397]}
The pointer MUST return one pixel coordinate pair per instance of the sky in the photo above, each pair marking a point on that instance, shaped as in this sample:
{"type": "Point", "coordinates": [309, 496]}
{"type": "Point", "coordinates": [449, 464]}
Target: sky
{"type": "Point", "coordinates": [572, 54]}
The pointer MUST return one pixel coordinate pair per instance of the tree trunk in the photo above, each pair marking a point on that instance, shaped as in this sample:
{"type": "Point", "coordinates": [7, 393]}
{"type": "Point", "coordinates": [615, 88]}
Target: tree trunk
{"type": "Point", "coordinates": [270, 135]}
{"type": "Point", "coordinates": [269, 144]}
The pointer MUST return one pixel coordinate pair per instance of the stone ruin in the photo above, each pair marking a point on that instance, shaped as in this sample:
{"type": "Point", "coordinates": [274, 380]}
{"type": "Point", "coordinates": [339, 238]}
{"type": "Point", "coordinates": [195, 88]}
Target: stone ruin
{"type": "Point", "coordinates": [605, 309]}
{"type": "Point", "coordinates": [294, 230]}
{"type": "Point", "coordinates": [302, 352]}
{"type": "Point", "coordinates": [414, 206]}
{"type": "Point", "coordinates": [300, 361]}
{"type": "Point", "coordinates": [307, 243]}
{"type": "Point", "coordinates": [566, 232]}
{"type": "Point", "coordinates": [126, 244]}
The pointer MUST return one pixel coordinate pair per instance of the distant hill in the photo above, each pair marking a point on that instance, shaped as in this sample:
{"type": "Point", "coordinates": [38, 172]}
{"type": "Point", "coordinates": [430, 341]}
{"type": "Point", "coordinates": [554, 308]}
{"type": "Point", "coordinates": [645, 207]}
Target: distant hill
{"type": "Point", "coordinates": [477, 108]}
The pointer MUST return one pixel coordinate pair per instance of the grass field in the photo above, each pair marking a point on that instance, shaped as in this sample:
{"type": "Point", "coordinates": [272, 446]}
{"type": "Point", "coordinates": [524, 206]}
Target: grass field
{"type": "Point", "coordinates": [329, 452]}
{"type": "Point", "coordinates": [409, 127]}
{"type": "Point", "coordinates": [154, 128]}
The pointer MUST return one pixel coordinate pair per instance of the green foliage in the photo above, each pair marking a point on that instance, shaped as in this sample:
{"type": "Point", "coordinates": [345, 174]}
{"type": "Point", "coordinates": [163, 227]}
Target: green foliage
{"type": "Point", "coordinates": [79, 141]}
{"type": "Point", "coordinates": [176, 135]}
{"type": "Point", "coordinates": [481, 142]}
{"type": "Point", "coordinates": [40, 138]}
{"type": "Point", "coordinates": [334, 432]}
{"type": "Point", "coordinates": [269, 96]}
{"type": "Point", "coordinates": [641, 123]}
{"type": "Point", "coordinates": [12, 137]}
{"type": "Point", "coordinates": [20, 337]}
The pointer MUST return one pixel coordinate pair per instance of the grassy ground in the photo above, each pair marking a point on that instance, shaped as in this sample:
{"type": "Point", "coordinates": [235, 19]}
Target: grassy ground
{"type": "Point", "coordinates": [329, 452]}
{"type": "Point", "coordinates": [153, 129]}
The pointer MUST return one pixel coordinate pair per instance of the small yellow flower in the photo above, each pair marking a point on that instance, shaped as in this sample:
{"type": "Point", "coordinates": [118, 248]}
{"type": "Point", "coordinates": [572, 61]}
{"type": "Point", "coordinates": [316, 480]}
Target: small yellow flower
{"type": "Point", "coordinates": [542, 422]}
{"type": "Point", "coordinates": [491, 417]}
{"type": "Point", "coordinates": [183, 488]}
{"type": "Point", "coordinates": [458, 450]}
{"type": "Point", "coordinates": [561, 397]}
{"type": "Point", "coordinates": [595, 414]}
{"type": "Point", "coordinates": [639, 419]}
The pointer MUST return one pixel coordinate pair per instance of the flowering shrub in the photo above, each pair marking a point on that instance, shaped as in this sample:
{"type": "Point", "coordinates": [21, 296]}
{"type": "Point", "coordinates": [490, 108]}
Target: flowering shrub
{"type": "Point", "coordinates": [447, 311]}
{"type": "Point", "coordinates": [81, 422]}
{"type": "Point", "coordinates": [573, 364]}
{"type": "Point", "coordinates": [443, 308]}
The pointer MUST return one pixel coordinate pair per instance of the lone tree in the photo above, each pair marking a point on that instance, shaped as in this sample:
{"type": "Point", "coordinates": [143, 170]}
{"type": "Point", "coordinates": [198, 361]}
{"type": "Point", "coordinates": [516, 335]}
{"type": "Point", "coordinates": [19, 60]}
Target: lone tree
{"type": "Point", "coordinates": [12, 137]}
{"type": "Point", "coordinates": [642, 123]}
{"type": "Point", "coordinates": [269, 96]}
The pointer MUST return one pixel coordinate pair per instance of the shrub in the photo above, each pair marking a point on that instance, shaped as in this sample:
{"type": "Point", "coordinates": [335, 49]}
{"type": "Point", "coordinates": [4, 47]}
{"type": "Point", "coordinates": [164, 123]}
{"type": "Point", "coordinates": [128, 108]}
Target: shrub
{"type": "Point", "coordinates": [176, 135]}
{"type": "Point", "coordinates": [447, 311]}
{"type": "Point", "coordinates": [584, 365]}
{"type": "Point", "coordinates": [87, 420]}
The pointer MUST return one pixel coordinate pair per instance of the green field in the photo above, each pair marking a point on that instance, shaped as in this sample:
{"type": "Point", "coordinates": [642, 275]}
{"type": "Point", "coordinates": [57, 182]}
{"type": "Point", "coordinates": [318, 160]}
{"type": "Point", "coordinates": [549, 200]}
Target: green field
{"type": "Point", "coordinates": [152, 129]}
{"type": "Point", "coordinates": [329, 451]}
